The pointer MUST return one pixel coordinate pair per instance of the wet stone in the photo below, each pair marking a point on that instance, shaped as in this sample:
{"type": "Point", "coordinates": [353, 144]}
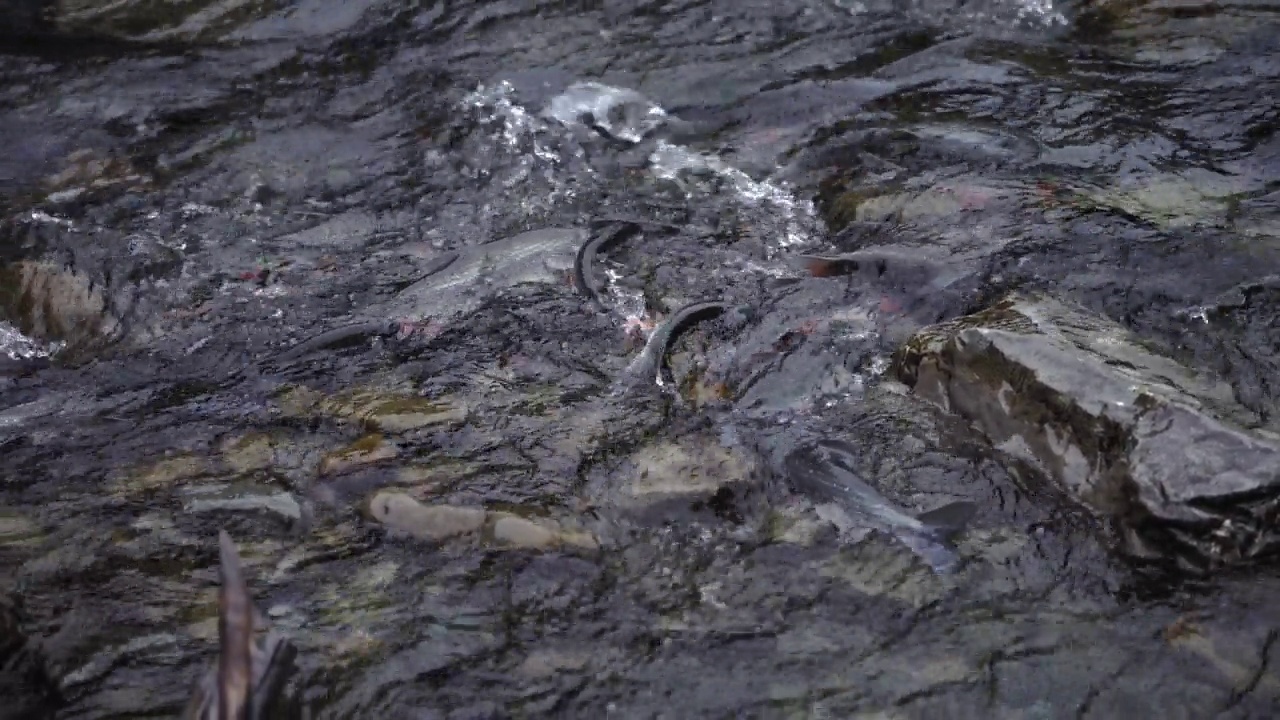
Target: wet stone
{"type": "Point", "coordinates": [164, 474]}
{"type": "Point", "coordinates": [434, 523]}
{"type": "Point", "coordinates": [56, 303]}
{"type": "Point", "coordinates": [1161, 451]}
{"type": "Point", "coordinates": [691, 467]}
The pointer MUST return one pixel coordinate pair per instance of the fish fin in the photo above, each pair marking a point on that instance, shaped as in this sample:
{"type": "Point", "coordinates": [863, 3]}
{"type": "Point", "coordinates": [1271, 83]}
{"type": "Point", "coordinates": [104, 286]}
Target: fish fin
{"type": "Point", "coordinates": [235, 633]}
{"type": "Point", "coordinates": [947, 521]}
{"type": "Point", "coordinates": [273, 664]}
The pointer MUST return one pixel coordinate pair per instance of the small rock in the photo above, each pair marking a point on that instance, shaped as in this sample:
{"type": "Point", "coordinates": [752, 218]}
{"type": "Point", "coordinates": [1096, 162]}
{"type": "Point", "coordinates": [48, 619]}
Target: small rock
{"type": "Point", "coordinates": [164, 474]}
{"type": "Point", "coordinates": [542, 664]}
{"type": "Point", "coordinates": [699, 467]}
{"type": "Point", "coordinates": [15, 529]}
{"type": "Point", "coordinates": [434, 523]}
{"type": "Point", "coordinates": [251, 452]}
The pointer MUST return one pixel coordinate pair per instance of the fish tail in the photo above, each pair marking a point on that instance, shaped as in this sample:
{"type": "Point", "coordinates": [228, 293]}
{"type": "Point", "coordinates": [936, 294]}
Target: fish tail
{"type": "Point", "coordinates": [945, 523]}
{"type": "Point", "coordinates": [939, 554]}
{"type": "Point", "coordinates": [935, 543]}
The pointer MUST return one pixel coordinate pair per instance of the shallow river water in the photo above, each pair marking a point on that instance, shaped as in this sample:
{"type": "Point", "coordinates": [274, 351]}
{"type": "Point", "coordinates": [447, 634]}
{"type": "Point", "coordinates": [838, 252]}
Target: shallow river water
{"type": "Point", "coordinates": [493, 498]}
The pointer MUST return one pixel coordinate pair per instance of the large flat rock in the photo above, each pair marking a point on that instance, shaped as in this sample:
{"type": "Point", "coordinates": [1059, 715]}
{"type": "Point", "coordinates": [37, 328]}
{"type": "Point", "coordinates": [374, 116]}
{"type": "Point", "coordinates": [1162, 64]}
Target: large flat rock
{"type": "Point", "coordinates": [1165, 453]}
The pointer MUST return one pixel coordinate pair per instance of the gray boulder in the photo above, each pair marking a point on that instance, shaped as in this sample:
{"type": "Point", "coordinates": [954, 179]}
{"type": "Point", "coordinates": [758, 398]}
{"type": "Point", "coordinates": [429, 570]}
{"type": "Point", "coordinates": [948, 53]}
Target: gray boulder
{"type": "Point", "coordinates": [1163, 453]}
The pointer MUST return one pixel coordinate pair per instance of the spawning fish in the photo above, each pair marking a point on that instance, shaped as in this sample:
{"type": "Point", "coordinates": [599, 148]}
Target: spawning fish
{"type": "Point", "coordinates": [824, 470]}
{"type": "Point", "coordinates": [462, 280]}
{"type": "Point", "coordinates": [458, 282]}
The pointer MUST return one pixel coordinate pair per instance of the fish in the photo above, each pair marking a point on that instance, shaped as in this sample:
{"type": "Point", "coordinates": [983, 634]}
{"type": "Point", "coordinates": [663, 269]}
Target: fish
{"type": "Point", "coordinates": [339, 337]}
{"type": "Point", "coordinates": [456, 283]}
{"type": "Point", "coordinates": [583, 276]}
{"type": "Point", "coordinates": [461, 283]}
{"type": "Point", "coordinates": [649, 364]}
{"type": "Point", "coordinates": [890, 268]}
{"type": "Point", "coordinates": [248, 680]}
{"type": "Point", "coordinates": [825, 470]}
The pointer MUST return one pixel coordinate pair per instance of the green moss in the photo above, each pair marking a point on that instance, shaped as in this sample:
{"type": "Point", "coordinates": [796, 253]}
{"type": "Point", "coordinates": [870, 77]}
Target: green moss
{"type": "Point", "coordinates": [366, 444]}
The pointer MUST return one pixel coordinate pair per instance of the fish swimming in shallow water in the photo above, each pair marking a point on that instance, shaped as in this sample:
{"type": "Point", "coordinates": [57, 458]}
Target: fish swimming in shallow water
{"type": "Point", "coordinates": [589, 285]}
{"type": "Point", "coordinates": [462, 280]}
{"type": "Point", "coordinates": [648, 365]}
{"type": "Point", "coordinates": [457, 283]}
{"type": "Point", "coordinates": [825, 470]}
{"type": "Point", "coordinates": [248, 680]}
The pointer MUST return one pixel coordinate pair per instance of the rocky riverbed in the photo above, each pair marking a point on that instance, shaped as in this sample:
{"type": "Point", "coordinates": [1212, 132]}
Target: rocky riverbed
{"type": "Point", "coordinates": [398, 295]}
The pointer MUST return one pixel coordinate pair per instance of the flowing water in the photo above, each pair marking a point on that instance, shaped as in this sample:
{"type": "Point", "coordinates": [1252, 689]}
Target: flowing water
{"type": "Point", "coordinates": [489, 506]}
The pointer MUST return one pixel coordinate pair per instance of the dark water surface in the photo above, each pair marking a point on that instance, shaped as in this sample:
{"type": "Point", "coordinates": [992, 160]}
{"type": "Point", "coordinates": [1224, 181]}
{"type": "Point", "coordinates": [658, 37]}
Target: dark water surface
{"type": "Point", "coordinates": [478, 504]}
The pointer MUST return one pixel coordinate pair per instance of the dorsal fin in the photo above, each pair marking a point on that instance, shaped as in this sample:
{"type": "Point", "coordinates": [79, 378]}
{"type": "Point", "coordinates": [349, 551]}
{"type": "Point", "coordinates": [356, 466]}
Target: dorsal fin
{"type": "Point", "coordinates": [235, 633]}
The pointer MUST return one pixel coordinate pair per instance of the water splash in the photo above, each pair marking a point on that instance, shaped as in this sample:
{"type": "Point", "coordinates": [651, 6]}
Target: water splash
{"type": "Point", "coordinates": [993, 14]}
{"type": "Point", "coordinates": [520, 129]}
{"type": "Point", "coordinates": [626, 114]}
{"type": "Point", "coordinates": [17, 346]}
{"type": "Point", "coordinates": [799, 220]}
{"type": "Point", "coordinates": [529, 154]}
{"type": "Point", "coordinates": [620, 112]}
{"type": "Point", "coordinates": [774, 213]}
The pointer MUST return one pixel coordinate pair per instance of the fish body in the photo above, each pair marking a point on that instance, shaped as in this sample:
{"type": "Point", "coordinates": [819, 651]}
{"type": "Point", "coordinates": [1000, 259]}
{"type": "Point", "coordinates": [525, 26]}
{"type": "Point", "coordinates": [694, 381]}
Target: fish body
{"type": "Point", "coordinates": [647, 367]}
{"type": "Point", "coordinates": [825, 470]}
{"type": "Point", "coordinates": [458, 283]}
{"type": "Point", "coordinates": [463, 279]}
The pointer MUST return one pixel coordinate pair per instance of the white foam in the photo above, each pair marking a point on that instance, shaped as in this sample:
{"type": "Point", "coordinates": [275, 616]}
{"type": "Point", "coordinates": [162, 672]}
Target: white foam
{"type": "Point", "coordinates": [621, 112]}
{"type": "Point", "coordinates": [799, 219]}
{"type": "Point", "coordinates": [539, 153]}
{"type": "Point", "coordinates": [20, 347]}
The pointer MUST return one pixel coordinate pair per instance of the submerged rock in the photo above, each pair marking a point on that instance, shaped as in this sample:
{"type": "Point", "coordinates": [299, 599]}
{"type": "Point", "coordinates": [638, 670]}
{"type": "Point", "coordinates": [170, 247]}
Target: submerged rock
{"type": "Point", "coordinates": [694, 467]}
{"type": "Point", "coordinates": [517, 532]}
{"type": "Point", "coordinates": [436, 523]}
{"type": "Point", "coordinates": [375, 410]}
{"type": "Point", "coordinates": [1158, 449]}
{"type": "Point", "coordinates": [367, 450]}
{"type": "Point", "coordinates": [402, 513]}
